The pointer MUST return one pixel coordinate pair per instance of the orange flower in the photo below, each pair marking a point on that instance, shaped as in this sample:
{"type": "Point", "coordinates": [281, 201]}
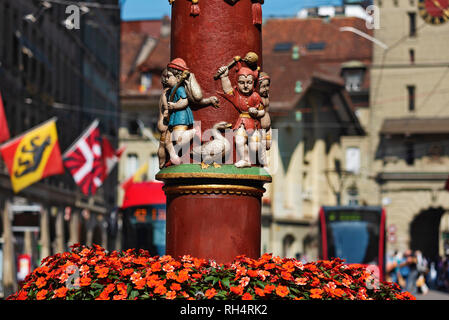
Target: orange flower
{"type": "Point", "coordinates": [101, 271]}
{"type": "Point", "coordinates": [160, 289]}
{"type": "Point", "coordinates": [183, 276]}
{"type": "Point", "coordinates": [175, 286]}
{"type": "Point", "coordinates": [41, 282]}
{"type": "Point", "coordinates": [155, 267]}
{"type": "Point", "coordinates": [269, 288]}
{"type": "Point", "coordinates": [61, 292]}
{"type": "Point", "coordinates": [282, 291]}
{"type": "Point", "coordinates": [140, 283]}
{"type": "Point", "coordinates": [122, 289]}
{"type": "Point", "coordinates": [266, 256]}
{"type": "Point", "coordinates": [85, 281]}
{"type": "Point", "coordinates": [210, 293]}
{"type": "Point", "coordinates": [170, 295]}
{"type": "Point", "coordinates": [286, 275]}
{"type": "Point", "coordinates": [141, 260]}
{"type": "Point", "coordinates": [41, 295]}
{"type": "Point", "coordinates": [316, 293]}
{"type": "Point", "coordinates": [315, 282]}
{"type": "Point", "coordinates": [288, 266]}
{"type": "Point", "coordinates": [269, 266]}
{"type": "Point", "coordinates": [260, 292]}
{"type": "Point", "coordinates": [127, 272]}
{"type": "Point", "coordinates": [252, 273]}
{"type": "Point", "coordinates": [237, 290]}
{"type": "Point", "coordinates": [171, 276]}
{"type": "Point", "coordinates": [247, 296]}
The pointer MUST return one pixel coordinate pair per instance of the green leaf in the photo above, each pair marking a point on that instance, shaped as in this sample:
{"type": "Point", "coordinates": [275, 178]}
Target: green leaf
{"type": "Point", "coordinates": [226, 282]}
{"type": "Point", "coordinates": [133, 294]}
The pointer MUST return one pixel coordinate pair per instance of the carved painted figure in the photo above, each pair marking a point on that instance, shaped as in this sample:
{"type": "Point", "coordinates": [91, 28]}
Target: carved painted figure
{"type": "Point", "coordinates": [182, 91]}
{"type": "Point", "coordinates": [247, 102]}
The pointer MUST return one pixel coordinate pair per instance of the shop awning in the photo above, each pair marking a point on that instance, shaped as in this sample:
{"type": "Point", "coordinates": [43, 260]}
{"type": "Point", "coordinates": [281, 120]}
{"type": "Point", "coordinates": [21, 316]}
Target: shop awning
{"type": "Point", "coordinates": [410, 126]}
{"type": "Point", "coordinates": [144, 193]}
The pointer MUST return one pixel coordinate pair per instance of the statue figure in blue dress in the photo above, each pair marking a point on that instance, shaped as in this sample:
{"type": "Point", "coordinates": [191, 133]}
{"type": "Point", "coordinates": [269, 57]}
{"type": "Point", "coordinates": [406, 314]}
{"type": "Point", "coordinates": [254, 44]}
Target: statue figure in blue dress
{"type": "Point", "coordinates": [183, 89]}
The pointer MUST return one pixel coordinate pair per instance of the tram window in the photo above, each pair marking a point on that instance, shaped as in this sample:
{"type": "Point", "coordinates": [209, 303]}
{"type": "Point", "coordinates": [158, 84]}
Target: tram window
{"type": "Point", "coordinates": [353, 237]}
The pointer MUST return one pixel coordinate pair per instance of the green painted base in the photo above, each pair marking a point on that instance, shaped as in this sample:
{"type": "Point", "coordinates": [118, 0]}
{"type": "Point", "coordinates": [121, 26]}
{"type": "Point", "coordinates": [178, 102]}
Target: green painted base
{"type": "Point", "coordinates": [226, 171]}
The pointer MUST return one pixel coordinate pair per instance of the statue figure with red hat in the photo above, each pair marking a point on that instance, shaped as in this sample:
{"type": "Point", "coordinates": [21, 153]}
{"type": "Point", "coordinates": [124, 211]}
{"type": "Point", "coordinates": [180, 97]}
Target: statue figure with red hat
{"type": "Point", "coordinates": [183, 89]}
{"type": "Point", "coordinates": [249, 104]}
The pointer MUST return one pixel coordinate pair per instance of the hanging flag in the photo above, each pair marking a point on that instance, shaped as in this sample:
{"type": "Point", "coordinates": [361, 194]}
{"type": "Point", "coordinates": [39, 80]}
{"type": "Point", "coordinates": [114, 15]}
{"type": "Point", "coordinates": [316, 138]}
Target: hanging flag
{"type": "Point", "coordinates": [33, 155]}
{"type": "Point", "coordinates": [84, 160]}
{"type": "Point", "coordinates": [90, 159]}
{"type": "Point", "coordinates": [138, 176]}
{"type": "Point", "coordinates": [4, 130]}
{"type": "Point", "coordinates": [110, 157]}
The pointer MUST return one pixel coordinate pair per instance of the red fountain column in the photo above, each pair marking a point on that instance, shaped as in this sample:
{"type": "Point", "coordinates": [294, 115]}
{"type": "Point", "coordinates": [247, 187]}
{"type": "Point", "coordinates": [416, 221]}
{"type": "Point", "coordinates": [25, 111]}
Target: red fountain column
{"type": "Point", "coordinates": [213, 213]}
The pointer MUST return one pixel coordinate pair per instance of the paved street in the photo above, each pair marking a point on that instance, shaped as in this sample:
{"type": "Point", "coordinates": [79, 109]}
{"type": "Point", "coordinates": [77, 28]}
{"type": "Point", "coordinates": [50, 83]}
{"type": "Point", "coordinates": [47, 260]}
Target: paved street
{"type": "Point", "coordinates": [433, 295]}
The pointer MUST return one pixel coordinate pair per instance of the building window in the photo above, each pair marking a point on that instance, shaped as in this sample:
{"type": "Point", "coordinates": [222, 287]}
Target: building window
{"type": "Point", "coordinates": [353, 195]}
{"type": "Point", "coordinates": [412, 24]}
{"type": "Point", "coordinates": [353, 79]}
{"type": "Point", "coordinates": [411, 98]}
{"type": "Point", "coordinates": [410, 153]}
{"type": "Point", "coordinates": [412, 56]}
{"type": "Point", "coordinates": [132, 164]}
{"type": "Point", "coordinates": [353, 160]}
{"type": "Point", "coordinates": [287, 246]}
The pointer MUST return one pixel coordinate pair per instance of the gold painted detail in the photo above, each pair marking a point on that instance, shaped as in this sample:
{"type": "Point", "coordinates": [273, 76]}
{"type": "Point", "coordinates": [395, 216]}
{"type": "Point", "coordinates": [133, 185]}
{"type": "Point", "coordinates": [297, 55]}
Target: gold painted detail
{"type": "Point", "coordinates": [180, 127]}
{"type": "Point", "coordinates": [215, 189]}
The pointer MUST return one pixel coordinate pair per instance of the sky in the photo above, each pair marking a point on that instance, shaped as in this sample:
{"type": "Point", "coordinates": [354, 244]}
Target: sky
{"type": "Point", "coordinates": [155, 9]}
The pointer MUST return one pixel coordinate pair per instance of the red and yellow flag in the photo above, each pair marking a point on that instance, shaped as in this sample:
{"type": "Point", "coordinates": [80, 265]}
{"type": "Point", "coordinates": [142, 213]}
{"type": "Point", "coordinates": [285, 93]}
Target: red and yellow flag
{"type": "Point", "coordinates": [4, 130]}
{"type": "Point", "coordinates": [33, 155]}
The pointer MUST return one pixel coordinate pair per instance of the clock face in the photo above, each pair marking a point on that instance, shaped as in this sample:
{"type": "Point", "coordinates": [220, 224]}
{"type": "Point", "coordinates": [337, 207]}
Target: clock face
{"type": "Point", "coordinates": [434, 11]}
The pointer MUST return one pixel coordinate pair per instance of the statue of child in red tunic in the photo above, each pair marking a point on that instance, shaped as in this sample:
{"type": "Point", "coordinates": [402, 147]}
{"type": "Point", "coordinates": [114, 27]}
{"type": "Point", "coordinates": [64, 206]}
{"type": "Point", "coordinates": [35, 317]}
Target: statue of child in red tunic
{"type": "Point", "coordinates": [249, 104]}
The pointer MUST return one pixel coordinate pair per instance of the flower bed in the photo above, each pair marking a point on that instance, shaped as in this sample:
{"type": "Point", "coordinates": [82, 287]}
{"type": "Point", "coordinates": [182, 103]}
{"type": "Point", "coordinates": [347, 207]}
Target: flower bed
{"type": "Point", "coordinates": [92, 273]}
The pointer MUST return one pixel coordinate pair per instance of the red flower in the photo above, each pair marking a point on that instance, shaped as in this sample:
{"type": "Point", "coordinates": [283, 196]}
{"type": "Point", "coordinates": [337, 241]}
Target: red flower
{"type": "Point", "coordinates": [23, 295]}
{"type": "Point", "coordinates": [247, 296]}
{"type": "Point", "coordinates": [238, 290]}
